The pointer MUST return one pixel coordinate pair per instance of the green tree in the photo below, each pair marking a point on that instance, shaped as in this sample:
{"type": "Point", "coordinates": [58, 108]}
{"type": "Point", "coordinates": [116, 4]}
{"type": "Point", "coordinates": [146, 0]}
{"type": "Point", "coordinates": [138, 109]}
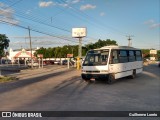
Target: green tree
{"type": "Point", "coordinates": [4, 43]}
{"type": "Point", "coordinates": [49, 53]}
{"type": "Point", "coordinates": [100, 43]}
{"type": "Point", "coordinates": [59, 52]}
{"type": "Point", "coordinates": [41, 51]}
{"type": "Point", "coordinates": [145, 53]}
{"type": "Point", "coordinates": [158, 54]}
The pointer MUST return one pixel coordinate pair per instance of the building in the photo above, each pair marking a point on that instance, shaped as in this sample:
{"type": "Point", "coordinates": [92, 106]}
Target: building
{"type": "Point", "coordinates": [20, 55]}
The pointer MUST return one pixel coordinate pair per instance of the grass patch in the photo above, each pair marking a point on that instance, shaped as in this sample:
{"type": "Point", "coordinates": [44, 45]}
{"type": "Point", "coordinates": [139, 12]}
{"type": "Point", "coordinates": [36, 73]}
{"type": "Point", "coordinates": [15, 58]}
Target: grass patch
{"type": "Point", "coordinates": [7, 79]}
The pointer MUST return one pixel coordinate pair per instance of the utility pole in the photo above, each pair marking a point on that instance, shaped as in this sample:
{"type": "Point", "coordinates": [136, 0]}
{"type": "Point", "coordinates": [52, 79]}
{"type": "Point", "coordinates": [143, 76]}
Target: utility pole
{"type": "Point", "coordinates": [129, 40]}
{"type": "Point", "coordinates": [30, 47]}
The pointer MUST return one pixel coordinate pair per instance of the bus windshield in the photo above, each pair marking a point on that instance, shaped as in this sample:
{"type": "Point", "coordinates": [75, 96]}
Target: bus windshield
{"type": "Point", "coordinates": [96, 57]}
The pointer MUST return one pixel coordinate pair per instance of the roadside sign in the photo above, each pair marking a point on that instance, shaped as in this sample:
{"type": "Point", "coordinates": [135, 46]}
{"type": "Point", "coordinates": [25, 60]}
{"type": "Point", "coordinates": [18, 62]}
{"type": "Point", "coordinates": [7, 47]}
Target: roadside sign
{"type": "Point", "coordinates": [153, 51]}
{"type": "Point", "coordinates": [40, 55]}
{"type": "Point", "coordinates": [69, 55]}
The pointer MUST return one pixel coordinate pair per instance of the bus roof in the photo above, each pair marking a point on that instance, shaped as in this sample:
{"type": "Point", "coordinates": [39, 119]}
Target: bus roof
{"type": "Point", "coordinates": [117, 47]}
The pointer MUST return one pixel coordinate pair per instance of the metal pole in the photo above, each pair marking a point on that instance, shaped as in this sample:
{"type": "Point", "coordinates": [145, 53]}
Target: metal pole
{"type": "Point", "coordinates": [68, 63]}
{"type": "Point", "coordinates": [42, 62]}
{"type": "Point", "coordinates": [25, 62]}
{"type": "Point", "coordinates": [18, 62]}
{"type": "Point", "coordinates": [79, 54]}
{"type": "Point", "coordinates": [80, 48]}
{"type": "Point", "coordinates": [30, 47]}
{"type": "Point", "coordinates": [39, 62]}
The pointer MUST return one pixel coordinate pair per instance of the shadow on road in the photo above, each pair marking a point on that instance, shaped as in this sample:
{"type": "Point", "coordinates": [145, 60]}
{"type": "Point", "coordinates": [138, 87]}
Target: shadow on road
{"type": "Point", "coordinates": [4, 87]}
{"type": "Point", "coordinates": [67, 88]}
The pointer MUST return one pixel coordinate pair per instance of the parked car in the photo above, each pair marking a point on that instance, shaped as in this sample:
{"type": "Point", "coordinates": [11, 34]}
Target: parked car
{"type": "Point", "coordinates": [57, 62]}
{"type": "Point", "coordinates": [51, 62]}
{"type": "Point", "coordinates": [48, 62]}
{"type": "Point", "coordinates": [35, 64]}
{"type": "Point", "coordinates": [64, 62]}
{"type": "Point", "coordinates": [159, 64]}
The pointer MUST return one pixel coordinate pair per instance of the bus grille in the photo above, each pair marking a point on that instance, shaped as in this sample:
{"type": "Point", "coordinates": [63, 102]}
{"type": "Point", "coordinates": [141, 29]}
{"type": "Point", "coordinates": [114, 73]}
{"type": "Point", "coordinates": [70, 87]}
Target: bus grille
{"type": "Point", "coordinates": [93, 71]}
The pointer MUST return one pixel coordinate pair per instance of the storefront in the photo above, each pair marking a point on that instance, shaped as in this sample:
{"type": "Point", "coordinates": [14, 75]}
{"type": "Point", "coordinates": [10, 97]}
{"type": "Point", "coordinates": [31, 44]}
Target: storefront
{"type": "Point", "coordinates": [20, 56]}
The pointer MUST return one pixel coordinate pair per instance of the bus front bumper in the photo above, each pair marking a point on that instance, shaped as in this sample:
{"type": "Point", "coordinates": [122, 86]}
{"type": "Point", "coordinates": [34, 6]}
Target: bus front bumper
{"type": "Point", "coordinates": [94, 76]}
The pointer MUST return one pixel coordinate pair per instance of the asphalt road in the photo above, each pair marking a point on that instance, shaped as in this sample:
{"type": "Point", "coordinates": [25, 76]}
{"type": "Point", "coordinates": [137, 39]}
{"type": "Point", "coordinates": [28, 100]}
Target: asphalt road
{"type": "Point", "coordinates": [59, 89]}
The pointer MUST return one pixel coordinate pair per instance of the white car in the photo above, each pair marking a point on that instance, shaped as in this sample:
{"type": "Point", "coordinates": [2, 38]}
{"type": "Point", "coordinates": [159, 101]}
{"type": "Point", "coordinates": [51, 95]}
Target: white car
{"type": "Point", "coordinates": [35, 64]}
{"type": "Point", "coordinates": [57, 62]}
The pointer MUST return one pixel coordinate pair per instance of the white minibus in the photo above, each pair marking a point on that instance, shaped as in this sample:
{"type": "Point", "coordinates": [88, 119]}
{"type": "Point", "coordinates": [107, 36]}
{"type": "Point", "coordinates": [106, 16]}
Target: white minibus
{"type": "Point", "coordinates": [112, 62]}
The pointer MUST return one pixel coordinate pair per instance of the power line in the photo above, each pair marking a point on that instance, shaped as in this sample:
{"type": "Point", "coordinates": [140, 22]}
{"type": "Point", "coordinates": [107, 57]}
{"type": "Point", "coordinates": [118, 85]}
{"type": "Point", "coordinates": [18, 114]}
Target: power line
{"type": "Point", "coordinates": [15, 3]}
{"type": "Point", "coordinates": [73, 8]}
{"type": "Point", "coordinates": [34, 19]}
{"type": "Point", "coordinates": [44, 24]}
{"type": "Point", "coordinates": [38, 31]}
{"type": "Point", "coordinates": [37, 20]}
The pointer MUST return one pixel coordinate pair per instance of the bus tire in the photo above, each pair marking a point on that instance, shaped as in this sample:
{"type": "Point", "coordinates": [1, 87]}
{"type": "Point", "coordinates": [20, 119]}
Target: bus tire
{"type": "Point", "coordinates": [133, 74]}
{"type": "Point", "coordinates": [111, 79]}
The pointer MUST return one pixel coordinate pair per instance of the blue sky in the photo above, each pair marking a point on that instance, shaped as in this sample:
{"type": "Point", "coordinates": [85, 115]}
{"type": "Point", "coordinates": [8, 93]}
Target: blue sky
{"type": "Point", "coordinates": [104, 19]}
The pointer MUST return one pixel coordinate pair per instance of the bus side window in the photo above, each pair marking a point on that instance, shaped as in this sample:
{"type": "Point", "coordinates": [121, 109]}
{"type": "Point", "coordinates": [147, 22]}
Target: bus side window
{"type": "Point", "coordinates": [138, 55]}
{"type": "Point", "coordinates": [131, 56]}
{"type": "Point", "coordinates": [114, 57]}
{"type": "Point", "coordinates": [123, 56]}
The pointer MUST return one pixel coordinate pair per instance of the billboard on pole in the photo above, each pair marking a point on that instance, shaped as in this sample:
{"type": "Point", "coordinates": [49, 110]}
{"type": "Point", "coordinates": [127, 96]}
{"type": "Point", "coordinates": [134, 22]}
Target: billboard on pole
{"type": "Point", "coordinates": [153, 51]}
{"type": "Point", "coordinates": [79, 32]}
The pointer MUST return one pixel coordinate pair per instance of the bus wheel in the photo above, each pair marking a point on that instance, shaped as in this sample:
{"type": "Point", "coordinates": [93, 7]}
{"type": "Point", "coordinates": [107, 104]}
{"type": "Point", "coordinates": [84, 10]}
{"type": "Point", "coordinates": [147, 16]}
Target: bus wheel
{"type": "Point", "coordinates": [110, 79]}
{"type": "Point", "coordinates": [133, 74]}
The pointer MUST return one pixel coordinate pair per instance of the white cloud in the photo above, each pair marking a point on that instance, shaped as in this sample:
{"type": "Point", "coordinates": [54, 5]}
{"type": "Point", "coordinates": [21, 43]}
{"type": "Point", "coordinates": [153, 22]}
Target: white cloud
{"type": "Point", "coordinates": [151, 21]}
{"type": "Point", "coordinates": [87, 7]}
{"type": "Point", "coordinates": [64, 5]}
{"type": "Point", "coordinates": [6, 14]}
{"type": "Point", "coordinates": [1, 4]}
{"type": "Point", "coordinates": [155, 25]}
{"type": "Point", "coordinates": [152, 24]}
{"type": "Point", "coordinates": [102, 14]}
{"type": "Point", "coordinates": [75, 1]}
{"type": "Point", "coordinates": [9, 20]}
{"type": "Point", "coordinates": [46, 4]}
{"type": "Point", "coordinates": [68, 3]}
